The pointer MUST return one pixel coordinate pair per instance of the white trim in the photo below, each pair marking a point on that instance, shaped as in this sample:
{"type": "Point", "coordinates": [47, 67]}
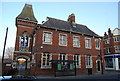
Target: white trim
{"type": "Point", "coordinates": [34, 40]}
{"type": "Point", "coordinates": [107, 41]}
{"type": "Point", "coordinates": [86, 60]}
{"type": "Point", "coordinates": [107, 50]}
{"type": "Point", "coordinates": [66, 57]}
{"type": "Point", "coordinates": [118, 49]}
{"type": "Point", "coordinates": [20, 41]}
{"type": "Point", "coordinates": [62, 40]}
{"type": "Point", "coordinates": [51, 33]}
{"type": "Point", "coordinates": [77, 46]}
{"type": "Point", "coordinates": [116, 39]}
{"type": "Point", "coordinates": [22, 52]}
{"type": "Point", "coordinates": [97, 46]}
{"type": "Point", "coordinates": [86, 46]}
{"type": "Point", "coordinates": [46, 66]}
{"type": "Point", "coordinates": [79, 56]}
{"type": "Point", "coordinates": [26, 26]}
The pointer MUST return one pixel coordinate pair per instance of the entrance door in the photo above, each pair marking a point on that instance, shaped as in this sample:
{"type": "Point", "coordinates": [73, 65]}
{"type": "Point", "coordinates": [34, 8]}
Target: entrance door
{"type": "Point", "coordinates": [22, 64]}
{"type": "Point", "coordinates": [98, 64]}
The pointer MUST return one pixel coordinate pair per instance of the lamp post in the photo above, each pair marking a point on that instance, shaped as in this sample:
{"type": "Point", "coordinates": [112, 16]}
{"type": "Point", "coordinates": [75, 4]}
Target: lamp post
{"type": "Point", "coordinates": [101, 58]}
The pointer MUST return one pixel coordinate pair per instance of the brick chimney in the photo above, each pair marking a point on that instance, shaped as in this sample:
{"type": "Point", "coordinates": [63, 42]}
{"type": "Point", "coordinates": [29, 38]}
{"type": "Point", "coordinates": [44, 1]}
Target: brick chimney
{"type": "Point", "coordinates": [109, 31]}
{"type": "Point", "coordinates": [105, 34]}
{"type": "Point", "coordinates": [71, 18]}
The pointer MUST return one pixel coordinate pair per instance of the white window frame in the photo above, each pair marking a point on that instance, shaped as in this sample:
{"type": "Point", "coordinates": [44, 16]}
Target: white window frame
{"type": "Point", "coordinates": [117, 39]}
{"type": "Point", "coordinates": [86, 44]}
{"type": "Point", "coordinates": [46, 66]}
{"type": "Point", "coordinates": [34, 39]}
{"type": "Point", "coordinates": [97, 44]}
{"type": "Point", "coordinates": [62, 57]}
{"type": "Point", "coordinates": [76, 43]}
{"type": "Point", "coordinates": [20, 41]}
{"type": "Point", "coordinates": [61, 40]}
{"type": "Point", "coordinates": [117, 48]}
{"type": "Point", "coordinates": [50, 40]}
{"type": "Point", "coordinates": [107, 41]}
{"type": "Point", "coordinates": [107, 50]}
{"type": "Point", "coordinates": [79, 60]}
{"type": "Point", "coordinates": [89, 63]}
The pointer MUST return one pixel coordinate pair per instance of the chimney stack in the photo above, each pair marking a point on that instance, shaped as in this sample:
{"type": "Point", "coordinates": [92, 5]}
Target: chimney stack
{"type": "Point", "coordinates": [105, 34]}
{"type": "Point", "coordinates": [71, 18]}
{"type": "Point", "coordinates": [109, 31]}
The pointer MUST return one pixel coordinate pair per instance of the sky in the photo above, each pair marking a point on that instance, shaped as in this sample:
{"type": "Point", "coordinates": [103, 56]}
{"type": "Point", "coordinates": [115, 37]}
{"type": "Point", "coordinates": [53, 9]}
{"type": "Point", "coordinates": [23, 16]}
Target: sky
{"type": "Point", "coordinates": [97, 16]}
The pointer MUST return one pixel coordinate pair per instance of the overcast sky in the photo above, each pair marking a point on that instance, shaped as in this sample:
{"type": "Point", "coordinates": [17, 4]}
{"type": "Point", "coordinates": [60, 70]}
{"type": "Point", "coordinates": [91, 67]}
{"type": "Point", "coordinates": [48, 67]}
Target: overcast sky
{"type": "Point", "coordinates": [97, 16]}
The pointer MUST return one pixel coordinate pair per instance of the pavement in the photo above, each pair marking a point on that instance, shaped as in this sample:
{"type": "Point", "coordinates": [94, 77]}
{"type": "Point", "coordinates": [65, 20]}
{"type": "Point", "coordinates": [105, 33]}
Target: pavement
{"type": "Point", "coordinates": [97, 75]}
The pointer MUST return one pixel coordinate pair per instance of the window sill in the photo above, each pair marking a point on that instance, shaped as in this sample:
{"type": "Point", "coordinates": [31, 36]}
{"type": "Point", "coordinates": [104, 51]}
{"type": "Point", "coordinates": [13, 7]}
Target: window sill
{"type": "Point", "coordinates": [47, 43]}
{"type": "Point", "coordinates": [97, 48]}
{"type": "Point", "coordinates": [46, 67]}
{"type": "Point", "coordinates": [76, 46]}
{"type": "Point", "coordinates": [62, 45]}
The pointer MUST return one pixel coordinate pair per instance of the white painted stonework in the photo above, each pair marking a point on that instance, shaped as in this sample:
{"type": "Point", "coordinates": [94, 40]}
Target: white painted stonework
{"type": "Point", "coordinates": [116, 31]}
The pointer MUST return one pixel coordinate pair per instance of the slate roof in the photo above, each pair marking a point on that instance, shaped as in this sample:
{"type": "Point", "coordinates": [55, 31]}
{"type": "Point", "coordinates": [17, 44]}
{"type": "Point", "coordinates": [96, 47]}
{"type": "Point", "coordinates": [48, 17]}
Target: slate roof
{"type": "Point", "coordinates": [67, 26]}
{"type": "Point", "coordinates": [27, 13]}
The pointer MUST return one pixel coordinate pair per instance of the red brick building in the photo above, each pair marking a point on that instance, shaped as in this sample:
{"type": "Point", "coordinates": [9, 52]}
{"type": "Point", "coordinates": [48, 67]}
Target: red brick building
{"type": "Point", "coordinates": [112, 49]}
{"type": "Point", "coordinates": [55, 45]}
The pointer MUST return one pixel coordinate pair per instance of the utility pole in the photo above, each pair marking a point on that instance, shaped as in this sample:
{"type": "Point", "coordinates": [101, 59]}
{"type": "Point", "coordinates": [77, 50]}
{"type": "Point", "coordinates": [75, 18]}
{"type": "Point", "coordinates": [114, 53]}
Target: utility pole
{"type": "Point", "coordinates": [4, 52]}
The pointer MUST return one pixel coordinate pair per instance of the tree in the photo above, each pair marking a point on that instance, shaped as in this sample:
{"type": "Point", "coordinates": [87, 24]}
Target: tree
{"type": "Point", "coordinates": [9, 52]}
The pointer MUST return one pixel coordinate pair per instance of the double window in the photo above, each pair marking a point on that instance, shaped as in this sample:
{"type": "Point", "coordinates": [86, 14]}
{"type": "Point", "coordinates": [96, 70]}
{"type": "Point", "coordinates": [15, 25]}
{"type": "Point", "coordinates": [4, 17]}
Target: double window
{"type": "Point", "coordinates": [88, 61]}
{"type": "Point", "coordinates": [107, 41]}
{"type": "Point", "coordinates": [78, 60]}
{"type": "Point", "coordinates": [46, 57]}
{"type": "Point", "coordinates": [62, 57]}
{"type": "Point", "coordinates": [76, 41]}
{"type": "Point", "coordinates": [88, 43]}
{"type": "Point", "coordinates": [107, 49]}
{"type": "Point", "coordinates": [63, 39]}
{"type": "Point", "coordinates": [117, 39]}
{"type": "Point", "coordinates": [47, 37]}
{"type": "Point", "coordinates": [24, 41]}
{"type": "Point", "coordinates": [117, 49]}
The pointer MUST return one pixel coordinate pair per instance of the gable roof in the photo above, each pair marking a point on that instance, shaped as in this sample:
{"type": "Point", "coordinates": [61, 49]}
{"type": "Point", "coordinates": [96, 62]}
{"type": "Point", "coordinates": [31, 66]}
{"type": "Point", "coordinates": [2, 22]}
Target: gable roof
{"type": "Point", "coordinates": [67, 26]}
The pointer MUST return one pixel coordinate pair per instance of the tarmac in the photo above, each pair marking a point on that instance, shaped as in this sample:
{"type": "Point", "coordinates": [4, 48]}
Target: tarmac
{"type": "Point", "coordinates": [97, 75]}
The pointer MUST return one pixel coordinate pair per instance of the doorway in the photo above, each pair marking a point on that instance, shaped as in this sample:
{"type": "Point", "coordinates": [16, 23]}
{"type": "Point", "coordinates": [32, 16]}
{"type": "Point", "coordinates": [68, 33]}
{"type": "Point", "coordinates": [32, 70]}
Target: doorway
{"type": "Point", "coordinates": [22, 64]}
{"type": "Point", "coordinates": [98, 65]}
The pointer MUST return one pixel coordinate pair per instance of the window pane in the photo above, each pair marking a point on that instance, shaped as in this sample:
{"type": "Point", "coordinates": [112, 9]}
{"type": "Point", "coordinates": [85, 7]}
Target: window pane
{"type": "Point", "coordinates": [109, 63]}
{"type": "Point", "coordinates": [47, 37]}
{"type": "Point", "coordinates": [63, 39]}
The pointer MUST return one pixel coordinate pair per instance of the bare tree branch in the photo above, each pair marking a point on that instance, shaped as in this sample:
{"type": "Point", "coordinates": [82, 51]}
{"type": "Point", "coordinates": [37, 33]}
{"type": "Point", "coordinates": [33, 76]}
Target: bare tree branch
{"type": "Point", "coordinates": [9, 52]}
